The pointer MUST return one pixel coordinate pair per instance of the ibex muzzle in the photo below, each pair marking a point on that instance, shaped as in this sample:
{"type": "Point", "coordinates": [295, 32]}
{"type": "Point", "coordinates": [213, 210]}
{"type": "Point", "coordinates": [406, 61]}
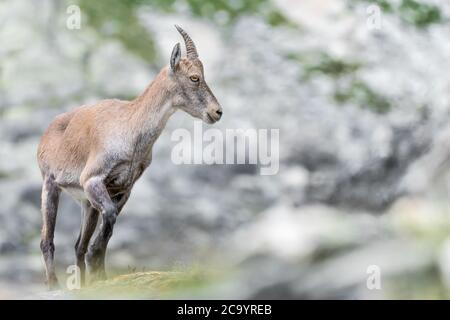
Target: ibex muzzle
{"type": "Point", "coordinates": [97, 152]}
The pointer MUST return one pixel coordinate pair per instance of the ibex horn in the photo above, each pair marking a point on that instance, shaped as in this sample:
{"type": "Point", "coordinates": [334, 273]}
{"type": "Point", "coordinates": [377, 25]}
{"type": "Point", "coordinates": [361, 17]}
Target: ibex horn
{"type": "Point", "coordinates": [190, 46]}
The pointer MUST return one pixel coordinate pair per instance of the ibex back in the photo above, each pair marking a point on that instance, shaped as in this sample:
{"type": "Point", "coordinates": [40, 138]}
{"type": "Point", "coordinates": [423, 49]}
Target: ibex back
{"type": "Point", "coordinates": [97, 152]}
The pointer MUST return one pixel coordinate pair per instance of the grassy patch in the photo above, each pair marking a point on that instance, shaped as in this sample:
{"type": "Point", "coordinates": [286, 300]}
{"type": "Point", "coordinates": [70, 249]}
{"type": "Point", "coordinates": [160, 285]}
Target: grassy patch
{"type": "Point", "coordinates": [149, 285]}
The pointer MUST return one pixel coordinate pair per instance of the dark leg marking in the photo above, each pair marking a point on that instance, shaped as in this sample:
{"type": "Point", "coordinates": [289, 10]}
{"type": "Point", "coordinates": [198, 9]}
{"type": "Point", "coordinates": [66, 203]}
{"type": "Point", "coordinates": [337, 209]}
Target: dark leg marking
{"type": "Point", "coordinates": [88, 225]}
{"type": "Point", "coordinates": [100, 199]}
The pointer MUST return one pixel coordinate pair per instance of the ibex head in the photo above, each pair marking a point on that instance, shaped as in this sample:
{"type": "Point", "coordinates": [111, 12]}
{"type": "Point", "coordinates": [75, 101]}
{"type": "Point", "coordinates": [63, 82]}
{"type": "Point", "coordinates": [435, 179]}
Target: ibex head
{"type": "Point", "coordinates": [192, 94]}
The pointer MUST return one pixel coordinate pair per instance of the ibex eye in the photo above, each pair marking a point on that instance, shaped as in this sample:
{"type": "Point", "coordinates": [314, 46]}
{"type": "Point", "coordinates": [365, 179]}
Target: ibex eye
{"type": "Point", "coordinates": [194, 78]}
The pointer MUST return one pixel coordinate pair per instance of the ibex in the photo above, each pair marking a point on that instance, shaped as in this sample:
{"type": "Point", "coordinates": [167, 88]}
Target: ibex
{"type": "Point", "coordinates": [97, 152]}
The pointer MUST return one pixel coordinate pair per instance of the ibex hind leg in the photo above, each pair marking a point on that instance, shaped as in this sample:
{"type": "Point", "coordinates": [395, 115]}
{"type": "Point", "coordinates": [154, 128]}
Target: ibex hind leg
{"type": "Point", "coordinates": [88, 225]}
{"type": "Point", "coordinates": [50, 199]}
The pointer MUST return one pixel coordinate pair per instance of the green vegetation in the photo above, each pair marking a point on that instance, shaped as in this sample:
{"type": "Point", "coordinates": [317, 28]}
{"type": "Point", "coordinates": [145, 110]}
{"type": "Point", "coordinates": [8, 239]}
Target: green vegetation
{"type": "Point", "coordinates": [119, 19]}
{"type": "Point", "coordinates": [419, 14]}
{"type": "Point", "coordinates": [333, 67]}
{"type": "Point", "coordinates": [149, 285]}
{"type": "Point", "coordinates": [361, 94]}
{"type": "Point", "coordinates": [223, 11]}
{"type": "Point", "coordinates": [412, 12]}
{"type": "Point", "coordinates": [348, 88]}
{"type": "Point", "coordinates": [385, 5]}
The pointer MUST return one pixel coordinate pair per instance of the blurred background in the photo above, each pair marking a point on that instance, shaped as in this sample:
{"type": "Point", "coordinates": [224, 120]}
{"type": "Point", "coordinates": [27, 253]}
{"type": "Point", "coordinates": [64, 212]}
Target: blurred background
{"type": "Point", "coordinates": [360, 91]}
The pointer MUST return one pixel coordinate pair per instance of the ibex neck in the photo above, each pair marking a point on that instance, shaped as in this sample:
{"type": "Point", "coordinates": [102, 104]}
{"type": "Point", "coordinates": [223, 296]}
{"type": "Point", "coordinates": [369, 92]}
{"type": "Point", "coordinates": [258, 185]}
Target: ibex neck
{"type": "Point", "coordinates": [153, 107]}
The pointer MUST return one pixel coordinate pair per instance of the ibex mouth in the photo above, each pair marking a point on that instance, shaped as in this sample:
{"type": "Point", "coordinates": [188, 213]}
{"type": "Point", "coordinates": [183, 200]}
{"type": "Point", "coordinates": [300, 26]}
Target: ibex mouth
{"type": "Point", "coordinates": [211, 120]}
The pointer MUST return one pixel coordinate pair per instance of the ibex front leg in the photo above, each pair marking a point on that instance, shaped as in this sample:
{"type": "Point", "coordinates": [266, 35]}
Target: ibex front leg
{"type": "Point", "coordinates": [97, 194]}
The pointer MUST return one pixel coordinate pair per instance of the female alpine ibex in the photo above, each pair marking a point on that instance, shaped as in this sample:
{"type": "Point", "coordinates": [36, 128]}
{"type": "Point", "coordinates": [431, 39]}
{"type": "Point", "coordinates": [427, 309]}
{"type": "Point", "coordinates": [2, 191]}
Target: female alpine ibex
{"type": "Point", "coordinates": [97, 152]}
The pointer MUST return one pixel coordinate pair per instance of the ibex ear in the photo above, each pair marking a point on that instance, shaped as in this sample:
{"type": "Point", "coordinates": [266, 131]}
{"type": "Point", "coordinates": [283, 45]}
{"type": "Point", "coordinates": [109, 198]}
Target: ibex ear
{"type": "Point", "coordinates": [175, 57]}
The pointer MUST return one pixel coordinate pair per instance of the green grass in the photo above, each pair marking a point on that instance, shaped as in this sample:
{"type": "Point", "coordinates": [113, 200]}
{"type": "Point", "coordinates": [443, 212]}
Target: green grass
{"type": "Point", "coordinates": [150, 285]}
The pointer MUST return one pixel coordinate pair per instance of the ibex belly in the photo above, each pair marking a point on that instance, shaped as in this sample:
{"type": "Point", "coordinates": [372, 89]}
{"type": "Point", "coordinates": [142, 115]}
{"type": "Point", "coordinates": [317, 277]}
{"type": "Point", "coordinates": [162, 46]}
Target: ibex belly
{"type": "Point", "coordinates": [122, 177]}
{"type": "Point", "coordinates": [120, 180]}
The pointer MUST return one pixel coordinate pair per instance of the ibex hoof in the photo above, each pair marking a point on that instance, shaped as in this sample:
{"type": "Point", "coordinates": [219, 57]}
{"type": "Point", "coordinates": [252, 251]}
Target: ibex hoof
{"type": "Point", "coordinates": [53, 284]}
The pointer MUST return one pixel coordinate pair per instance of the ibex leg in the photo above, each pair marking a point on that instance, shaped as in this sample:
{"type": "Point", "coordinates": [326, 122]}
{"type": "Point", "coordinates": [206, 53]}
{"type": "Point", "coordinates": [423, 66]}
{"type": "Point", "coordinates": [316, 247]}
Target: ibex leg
{"type": "Point", "coordinates": [97, 194]}
{"type": "Point", "coordinates": [88, 225]}
{"type": "Point", "coordinates": [50, 199]}
{"type": "Point", "coordinates": [99, 246]}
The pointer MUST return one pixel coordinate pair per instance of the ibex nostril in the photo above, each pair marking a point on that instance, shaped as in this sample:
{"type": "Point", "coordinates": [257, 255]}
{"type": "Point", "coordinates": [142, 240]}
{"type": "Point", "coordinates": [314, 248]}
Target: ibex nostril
{"type": "Point", "coordinates": [219, 112]}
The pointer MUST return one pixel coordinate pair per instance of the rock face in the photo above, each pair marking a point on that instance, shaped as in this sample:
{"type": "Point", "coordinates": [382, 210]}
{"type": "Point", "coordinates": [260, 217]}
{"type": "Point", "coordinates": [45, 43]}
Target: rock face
{"type": "Point", "coordinates": [362, 115]}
